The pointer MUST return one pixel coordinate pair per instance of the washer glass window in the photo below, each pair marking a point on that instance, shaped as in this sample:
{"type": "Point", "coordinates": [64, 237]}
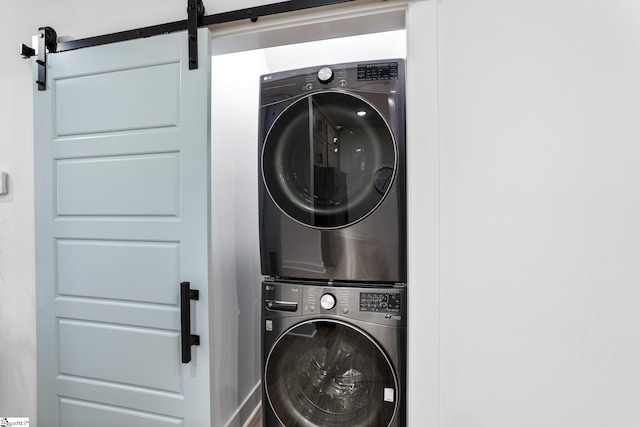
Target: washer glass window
{"type": "Point", "coordinates": [329, 159]}
{"type": "Point", "coordinates": [326, 373]}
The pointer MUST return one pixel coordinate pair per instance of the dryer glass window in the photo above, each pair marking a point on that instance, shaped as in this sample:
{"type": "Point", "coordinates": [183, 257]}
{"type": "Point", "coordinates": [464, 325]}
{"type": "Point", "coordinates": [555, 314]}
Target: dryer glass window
{"type": "Point", "coordinates": [325, 373]}
{"type": "Point", "coordinates": [329, 159]}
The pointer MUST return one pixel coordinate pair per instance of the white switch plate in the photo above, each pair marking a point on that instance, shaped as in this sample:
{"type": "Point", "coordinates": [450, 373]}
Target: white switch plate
{"type": "Point", "coordinates": [4, 186]}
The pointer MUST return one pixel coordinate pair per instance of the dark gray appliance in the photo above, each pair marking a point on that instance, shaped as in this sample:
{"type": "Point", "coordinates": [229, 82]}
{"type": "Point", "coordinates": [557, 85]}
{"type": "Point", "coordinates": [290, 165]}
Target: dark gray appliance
{"type": "Point", "coordinates": [332, 173]}
{"type": "Point", "coordinates": [333, 356]}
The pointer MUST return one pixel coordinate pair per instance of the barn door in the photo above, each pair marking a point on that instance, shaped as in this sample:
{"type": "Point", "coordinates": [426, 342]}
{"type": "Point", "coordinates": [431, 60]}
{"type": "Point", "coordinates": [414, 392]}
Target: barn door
{"type": "Point", "coordinates": [122, 202]}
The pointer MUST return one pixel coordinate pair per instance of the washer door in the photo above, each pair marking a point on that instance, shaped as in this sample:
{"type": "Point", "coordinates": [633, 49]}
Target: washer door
{"type": "Point", "coordinates": [329, 159]}
{"type": "Point", "coordinates": [329, 373]}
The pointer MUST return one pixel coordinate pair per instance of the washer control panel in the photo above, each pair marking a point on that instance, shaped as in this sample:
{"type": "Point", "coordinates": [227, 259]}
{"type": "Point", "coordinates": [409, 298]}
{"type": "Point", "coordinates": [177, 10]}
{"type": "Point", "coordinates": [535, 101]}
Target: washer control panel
{"type": "Point", "coordinates": [380, 305]}
{"type": "Point", "coordinates": [324, 300]}
{"type": "Point", "coordinates": [380, 302]}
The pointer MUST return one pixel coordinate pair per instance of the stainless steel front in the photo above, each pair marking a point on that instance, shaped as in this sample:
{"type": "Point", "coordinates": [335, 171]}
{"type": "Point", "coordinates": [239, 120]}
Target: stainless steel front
{"type": "Point", "coordinates": [332, 193]}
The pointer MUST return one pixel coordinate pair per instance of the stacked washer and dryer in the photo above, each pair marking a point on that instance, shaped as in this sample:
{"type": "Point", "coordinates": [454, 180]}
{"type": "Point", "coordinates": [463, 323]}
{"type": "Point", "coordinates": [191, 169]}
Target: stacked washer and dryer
{"type": "Point", "coordinates": [333, 245]}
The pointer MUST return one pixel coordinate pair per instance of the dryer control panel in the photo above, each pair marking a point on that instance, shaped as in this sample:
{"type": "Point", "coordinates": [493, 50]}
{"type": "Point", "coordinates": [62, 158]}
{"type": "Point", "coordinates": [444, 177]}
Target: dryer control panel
{"type": "Point", "coordinates": [386, 76]}
{"type": "Point", "coordinates": [378, 71]}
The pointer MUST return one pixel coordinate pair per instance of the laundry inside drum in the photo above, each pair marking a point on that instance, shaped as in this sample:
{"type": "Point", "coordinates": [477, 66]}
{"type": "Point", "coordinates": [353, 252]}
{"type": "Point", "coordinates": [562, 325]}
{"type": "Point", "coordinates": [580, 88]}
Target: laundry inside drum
{"type": "Point", "coordinates": [334, 378]}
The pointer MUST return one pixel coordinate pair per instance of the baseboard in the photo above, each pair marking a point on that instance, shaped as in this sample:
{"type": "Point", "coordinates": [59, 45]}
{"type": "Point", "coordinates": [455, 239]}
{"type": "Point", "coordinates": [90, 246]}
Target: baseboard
{"type": "Point", "coordinates": [248, 409]}
{"type": "Point", "coordinates": [255, 420]}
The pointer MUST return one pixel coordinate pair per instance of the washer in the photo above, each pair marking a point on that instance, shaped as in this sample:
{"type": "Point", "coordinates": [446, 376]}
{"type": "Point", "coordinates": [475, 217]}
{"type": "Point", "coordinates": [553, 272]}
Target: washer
{"type": "Point", "coordinates": [333, 356]}
{"type": "Point", "coordinates": [332, 173]}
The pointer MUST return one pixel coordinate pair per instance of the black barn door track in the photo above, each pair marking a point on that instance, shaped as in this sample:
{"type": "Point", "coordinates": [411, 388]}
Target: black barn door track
{"type": "Point", "coordinates": [196, 18]}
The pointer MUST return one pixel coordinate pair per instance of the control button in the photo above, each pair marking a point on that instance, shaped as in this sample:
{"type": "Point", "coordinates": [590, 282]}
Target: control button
{"type": "Point", "coordinates": [345, 310]}
{"type": "Point", "coordinates": [308, 86]}
{"type": "Point", "coordinates": [325, 75]}
{"type": "Point", "coordinates": [342, 83]}
{"type": "Point", "coordinates": [328, 301]}
{"type": "Point", "coordinates": [312, 308]}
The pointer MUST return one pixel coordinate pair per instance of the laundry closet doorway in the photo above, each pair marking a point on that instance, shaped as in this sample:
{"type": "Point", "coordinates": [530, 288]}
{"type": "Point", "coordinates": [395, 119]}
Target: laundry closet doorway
{"type": "Point", "coordinates": [234, 142]}
{"type": "Point", "coordinates": [241, 54]}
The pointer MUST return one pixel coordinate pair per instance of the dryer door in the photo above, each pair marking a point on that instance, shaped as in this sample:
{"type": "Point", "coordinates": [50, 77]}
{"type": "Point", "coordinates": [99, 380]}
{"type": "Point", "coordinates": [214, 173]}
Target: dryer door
{"type": "Point", "coordinates": [329, 159]}
{"type": "Point", "coordinates": [329, 373]}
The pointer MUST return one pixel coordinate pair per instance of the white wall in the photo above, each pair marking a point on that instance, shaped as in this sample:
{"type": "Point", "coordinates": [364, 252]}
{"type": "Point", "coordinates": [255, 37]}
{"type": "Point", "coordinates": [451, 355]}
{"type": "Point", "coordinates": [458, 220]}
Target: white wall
{"type": "Point", "coordinates": [236, 266]}
{"type": "Point", "coordinates": [17, 267]}
{"type": "Point", "coordinates": [540, 193]}
{"type": "Point", "coordinates": [539, 205]}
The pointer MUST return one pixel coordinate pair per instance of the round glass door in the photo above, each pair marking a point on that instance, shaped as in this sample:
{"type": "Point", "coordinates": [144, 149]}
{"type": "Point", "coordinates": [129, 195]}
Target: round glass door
{"type": "Point", "coordinates": [329, 159]}
{"type": "Point", "coordinates": [330, 374]}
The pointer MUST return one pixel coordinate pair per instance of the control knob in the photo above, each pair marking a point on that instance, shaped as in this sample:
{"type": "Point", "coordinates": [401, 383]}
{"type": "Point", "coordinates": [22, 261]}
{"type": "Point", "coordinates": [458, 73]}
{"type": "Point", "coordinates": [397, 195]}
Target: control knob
{"type": "Point", "coordinates": [325, 75]}
{"type": "Point", "coordinates": [328, 301]}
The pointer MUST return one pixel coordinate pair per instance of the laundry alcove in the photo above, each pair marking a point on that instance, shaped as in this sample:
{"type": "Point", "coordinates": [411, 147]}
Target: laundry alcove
{"type": "Point", "coordinates": [235, 191]}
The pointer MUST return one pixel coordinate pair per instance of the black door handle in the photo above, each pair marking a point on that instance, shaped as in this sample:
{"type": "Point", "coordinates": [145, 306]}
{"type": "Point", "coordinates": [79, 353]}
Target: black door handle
{"type": "Point", "coordinates": [186, 295]}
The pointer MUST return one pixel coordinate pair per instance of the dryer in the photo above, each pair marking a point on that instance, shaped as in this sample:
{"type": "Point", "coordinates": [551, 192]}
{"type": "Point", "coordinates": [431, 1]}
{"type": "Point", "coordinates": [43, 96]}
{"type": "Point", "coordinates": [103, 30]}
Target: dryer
{"type": "Point", "coordinates": [332, 173]}
{"type": "Point", "coordinates": [333, 356]}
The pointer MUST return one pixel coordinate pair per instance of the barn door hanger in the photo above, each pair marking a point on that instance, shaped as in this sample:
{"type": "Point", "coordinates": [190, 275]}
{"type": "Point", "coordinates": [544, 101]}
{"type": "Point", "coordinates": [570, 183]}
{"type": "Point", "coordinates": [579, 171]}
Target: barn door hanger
{"type": "Point", "coordinates": [47, 41]}
{"type": "Point", "coordinates": [195, 12]}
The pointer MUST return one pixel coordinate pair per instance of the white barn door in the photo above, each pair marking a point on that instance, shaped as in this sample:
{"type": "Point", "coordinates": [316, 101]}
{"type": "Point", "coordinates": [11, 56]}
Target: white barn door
{"type": "Point", "coordinates": [122, 218]}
